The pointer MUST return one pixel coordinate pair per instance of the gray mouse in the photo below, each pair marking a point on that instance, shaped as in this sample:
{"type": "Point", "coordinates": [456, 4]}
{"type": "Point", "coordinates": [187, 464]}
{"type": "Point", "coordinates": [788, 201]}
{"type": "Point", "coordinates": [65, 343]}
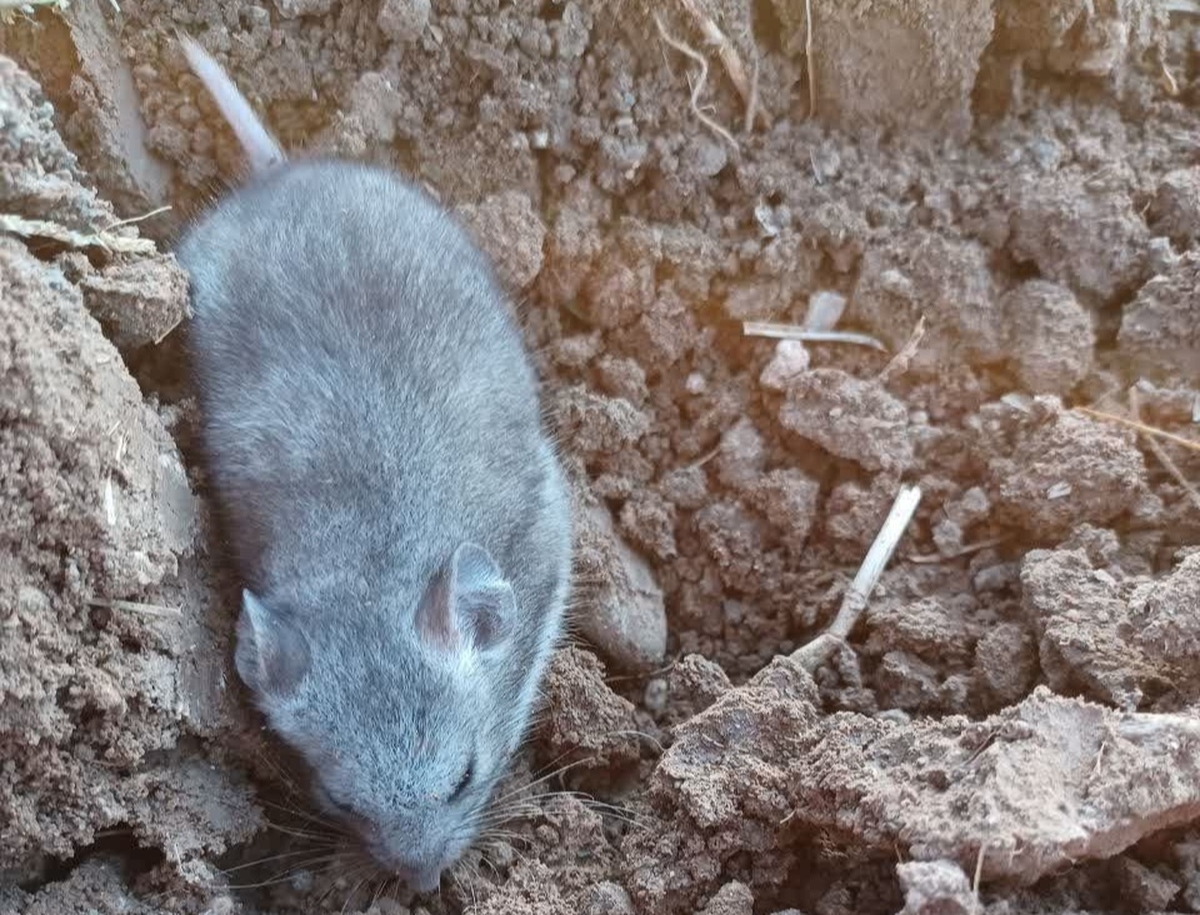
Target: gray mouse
{"type": "Point", "coordinates": [395, 510]}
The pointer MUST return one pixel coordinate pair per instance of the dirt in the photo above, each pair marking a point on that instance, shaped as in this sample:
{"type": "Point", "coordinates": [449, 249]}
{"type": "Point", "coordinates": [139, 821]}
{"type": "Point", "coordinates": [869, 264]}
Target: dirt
{"type": "Point", "coordinates": [1005, 197]}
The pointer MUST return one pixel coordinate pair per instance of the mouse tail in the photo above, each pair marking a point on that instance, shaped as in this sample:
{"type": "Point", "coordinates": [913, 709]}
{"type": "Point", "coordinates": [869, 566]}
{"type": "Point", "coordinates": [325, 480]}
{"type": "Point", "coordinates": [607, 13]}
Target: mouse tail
{"type": "Point", "coordinates": [261, 149]}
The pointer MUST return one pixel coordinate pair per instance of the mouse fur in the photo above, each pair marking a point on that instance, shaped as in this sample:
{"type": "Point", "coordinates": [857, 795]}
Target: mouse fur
{"type": "Point", "coordinates": [395, 510]}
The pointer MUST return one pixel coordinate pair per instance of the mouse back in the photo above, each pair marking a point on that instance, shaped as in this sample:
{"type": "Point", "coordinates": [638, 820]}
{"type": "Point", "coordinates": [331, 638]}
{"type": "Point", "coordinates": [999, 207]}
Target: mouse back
{"type": "Point", "coordinates": [261, 149]}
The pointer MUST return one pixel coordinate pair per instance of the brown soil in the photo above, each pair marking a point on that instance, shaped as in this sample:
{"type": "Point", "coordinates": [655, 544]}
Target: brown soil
{"type": "Point", "coordinates": [1013, 726]}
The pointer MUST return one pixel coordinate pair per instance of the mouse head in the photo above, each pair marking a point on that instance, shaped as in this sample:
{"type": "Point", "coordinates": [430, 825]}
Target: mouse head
{"type": "Point", "coordinates": [406, 729]}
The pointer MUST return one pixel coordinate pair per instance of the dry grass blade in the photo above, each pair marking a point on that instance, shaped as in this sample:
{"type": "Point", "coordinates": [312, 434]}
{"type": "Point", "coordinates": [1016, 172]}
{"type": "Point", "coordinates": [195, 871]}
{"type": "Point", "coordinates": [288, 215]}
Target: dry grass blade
{"type": "Point", "coordinates": [815, 653]}
{"type": "Point", "coordinates": [1141, 427]}
{"type": "Point", "coordinates": [808, 59]}
{"type": "Point", "coordinates": [1180, 6]}
{"type": "Point", "coordinates": [110, 503]}
{"type": "Point", "coordinates": [1161, 453]}
{"type": "Point", "coordinates": [792, 332]}
{"type": "Point", "coordinates": [133, 606]}
{"type": "Point", "coordinates": [752, 106]}
{"type": "Point", "coordinates": [900, 362]}
{"type": "Point", "coordinates": [966, 550]}
{"type": "Point", "coordinates": [41, 228]}
{"type": "Point", "coordinates": [978, 869]}
{"type": "Point", "coordinates": [747, 86]}
{"type": "Point", "coordinates": [698, 85]}
{"type": "Point", "coordinates": [135, 219]}
{"type": "Point", "coordinates": [1167, 79]}
{"type": "Point", "coordinates": [1146, 726]}
{"type": "Point", "coordinates": [878, 556]}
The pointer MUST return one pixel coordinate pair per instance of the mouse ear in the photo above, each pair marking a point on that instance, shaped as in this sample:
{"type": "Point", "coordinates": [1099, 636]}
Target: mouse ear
{"type": "Point", "coordinates": [272, 654]}
{"type": "Point", "coordinates": [468, 601]}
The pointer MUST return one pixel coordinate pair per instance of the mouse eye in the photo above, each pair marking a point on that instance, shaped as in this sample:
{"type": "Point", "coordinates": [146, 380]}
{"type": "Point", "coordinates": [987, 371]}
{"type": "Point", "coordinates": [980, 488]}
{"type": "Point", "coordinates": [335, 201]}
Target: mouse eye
{"type": "Point", "coordinates": [467, 775]}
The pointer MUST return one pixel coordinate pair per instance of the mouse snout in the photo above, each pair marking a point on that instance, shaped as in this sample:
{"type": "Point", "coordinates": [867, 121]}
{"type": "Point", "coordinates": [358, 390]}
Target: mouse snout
{"type": "Point", "coordinates": [423, 874]}
{"type": "Point", "coordinates": [424, 880]}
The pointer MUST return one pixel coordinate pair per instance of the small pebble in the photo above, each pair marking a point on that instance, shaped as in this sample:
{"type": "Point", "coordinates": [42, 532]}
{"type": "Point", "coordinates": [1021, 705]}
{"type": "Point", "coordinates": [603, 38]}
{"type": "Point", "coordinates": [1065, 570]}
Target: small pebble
{"type": "Point", "coordinates": [790, 360]}
{"type": "Point", "coordinates": [825, 309]}
{"type": "Point", "coordinates": [733, 898]}
{"type": "Point", "coordinates": [301, 881]}
{"type": "Point", "coordinates": [222, 905]}
{"type": "Point", "coordinates": [606, 899]}
{"type": "Point", "coordinates": [656, 695]}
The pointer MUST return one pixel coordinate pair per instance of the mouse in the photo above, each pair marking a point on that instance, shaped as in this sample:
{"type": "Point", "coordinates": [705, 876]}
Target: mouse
{"type": "Point", "coordinates": [391, 501]}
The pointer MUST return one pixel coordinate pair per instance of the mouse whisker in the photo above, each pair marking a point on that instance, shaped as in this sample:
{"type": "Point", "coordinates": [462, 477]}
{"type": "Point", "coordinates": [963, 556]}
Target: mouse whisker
{"type": "Point", "coordinates": [379, 888]}
{"type": "Point", "coordinates": [286, 876]}
{"type": "Point", "coordinates": [643, 735]}
{"type": "Point", "coordinates": [298, 802]}
{"type": "Point", "coordinates": [345, 878]}
{"type": "Point", "coordinates": [501, 822]}
{"type": "Point", "coordinates": [552, 771]}
{"type": "Point", "coordinates": [259, 862]}
{"type": "Point", "coordinates": [488, 843]}
{"type": "Point", "coordinates": [504, 813]}
{"type": "Point", "coordinates": [588, 799]}
{"type": "Point", "coordinates": [458, 885]}
{"type": "Point", "coordinates": [353, 892]}
{"type": "Point", "coordinates": [300, 833]}
{"type": "Point", "coordinates": [306, 815]}
{"type": "Point", "coordinates": [486, 861]}
{"type": "Point", "coordinates": [498, 835]}
{"type": "Point", "coordinates": [478, 878]}
{"type": "Point", "coordinates": [549, 775]}
{"type": "Point", "coordinates": [281, 772]}
{"type": "Point", "coordinates": [532, 802]}
{"type": "Point", "coordinates": [511, 813]}
{"type": "Point", "coordinates": [505, 817]}
{"type": "Point", "coordinates": [526, 804]}
{"type": "Point", "coordinates": [494, 844]}
{"type": "Point", "coordinates": [612, 810]}
{"type": "Point", "coordinates": [520, 856]}
{"type": "Point", "coordinates": [390, 889]}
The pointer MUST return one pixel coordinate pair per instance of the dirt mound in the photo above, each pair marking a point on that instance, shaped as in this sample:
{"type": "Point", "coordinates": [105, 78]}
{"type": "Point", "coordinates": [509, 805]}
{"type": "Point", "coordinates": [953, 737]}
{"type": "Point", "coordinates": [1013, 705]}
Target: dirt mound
{"type": "Point", "coordinates": [775, 261]}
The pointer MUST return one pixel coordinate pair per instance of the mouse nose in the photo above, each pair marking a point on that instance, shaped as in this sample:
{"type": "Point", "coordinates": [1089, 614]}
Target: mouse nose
{"type": "Point", "coordinates": [423, 880]}
{"type": "Point", "coordinates": [422, 876]}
